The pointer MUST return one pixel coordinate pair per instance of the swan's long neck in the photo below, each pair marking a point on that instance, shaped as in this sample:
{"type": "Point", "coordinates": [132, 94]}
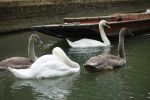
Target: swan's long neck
{"type": "Point", "coordinates": [103, 35]}
{"type": "Point", "coordinates": [31, 52]}
{"type": "Point", "coordinates": [64, 58]}
{"type": "Point", "coordinates": [121, 51]}
{"type": "Point", "coordinates": [68, 61]}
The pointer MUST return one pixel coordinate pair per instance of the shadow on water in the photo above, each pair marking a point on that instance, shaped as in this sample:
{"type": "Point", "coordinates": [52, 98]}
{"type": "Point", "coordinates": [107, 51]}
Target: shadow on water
{"type": "Point", "coordinates": [104, 85]}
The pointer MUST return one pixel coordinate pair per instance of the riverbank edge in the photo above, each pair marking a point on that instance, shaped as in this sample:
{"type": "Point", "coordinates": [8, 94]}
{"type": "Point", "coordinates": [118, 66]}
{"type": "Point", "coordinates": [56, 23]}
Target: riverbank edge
{"type": "Point", "coordinates": [10, 14]}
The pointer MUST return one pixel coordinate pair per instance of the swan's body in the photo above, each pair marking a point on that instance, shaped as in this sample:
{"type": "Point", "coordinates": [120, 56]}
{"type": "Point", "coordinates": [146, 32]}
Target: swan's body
{"type": "Point", "coordinates": [22, 62]}
{"type": "Point", "coordinates": [108, 61]}
{"type": "Point", "coordinates": [54, 65]}
{"type": "Point", "coordinates": [84, 43]}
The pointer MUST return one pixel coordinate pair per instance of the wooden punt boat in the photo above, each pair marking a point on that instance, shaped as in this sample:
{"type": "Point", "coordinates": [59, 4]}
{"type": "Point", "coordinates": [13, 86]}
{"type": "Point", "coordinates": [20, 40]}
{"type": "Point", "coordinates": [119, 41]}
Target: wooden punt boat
{"type": "Point", "coordinates": [88, 27]}
{"type": "Point", "coordinates": [111, 18]}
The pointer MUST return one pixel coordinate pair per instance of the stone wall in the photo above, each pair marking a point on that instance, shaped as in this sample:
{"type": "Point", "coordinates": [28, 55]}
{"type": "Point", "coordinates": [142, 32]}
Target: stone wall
{"type": "Point", "coordinates": [11, 10]}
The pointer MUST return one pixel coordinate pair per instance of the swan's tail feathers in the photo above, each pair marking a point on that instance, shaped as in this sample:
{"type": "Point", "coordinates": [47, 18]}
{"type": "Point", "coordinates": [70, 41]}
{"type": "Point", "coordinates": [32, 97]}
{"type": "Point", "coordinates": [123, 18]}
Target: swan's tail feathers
{"type": "Point", "coordinates": [21, 73]}
{"type": "Point", "coordinates": [69, 42]}
{"type": "Point", "coordinates": [13, 71]}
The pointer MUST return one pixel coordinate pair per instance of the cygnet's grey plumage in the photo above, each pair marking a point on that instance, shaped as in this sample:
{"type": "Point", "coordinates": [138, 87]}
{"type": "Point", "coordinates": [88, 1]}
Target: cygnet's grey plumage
{"type": "Point", "coordinates": [108, 61]}
{"type": "Point", "coordinates": [22, 62]}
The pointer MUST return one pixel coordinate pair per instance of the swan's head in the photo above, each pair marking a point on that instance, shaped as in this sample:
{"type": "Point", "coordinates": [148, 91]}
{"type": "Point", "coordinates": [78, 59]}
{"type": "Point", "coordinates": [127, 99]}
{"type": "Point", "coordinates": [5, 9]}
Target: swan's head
{"type": "Point", "coordinates": [36, 38]}
{"type": "Point", "coordinates": [104, 23]}
{"type": "Point", "coordinates": [64, 58]}
{"type": "Point", "coordinates": [58, 51]}
{"type": "Point", "coordinates": [126, 31]}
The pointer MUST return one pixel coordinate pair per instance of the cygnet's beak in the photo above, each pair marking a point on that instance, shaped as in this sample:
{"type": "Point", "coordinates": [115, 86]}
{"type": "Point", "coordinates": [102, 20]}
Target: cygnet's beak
{"type": "Point", "coordinates": [107, 25]}
{"type": "Point", "coordinates": [39, 41]}
{"type": "Point", "coordinates": [130, 33]}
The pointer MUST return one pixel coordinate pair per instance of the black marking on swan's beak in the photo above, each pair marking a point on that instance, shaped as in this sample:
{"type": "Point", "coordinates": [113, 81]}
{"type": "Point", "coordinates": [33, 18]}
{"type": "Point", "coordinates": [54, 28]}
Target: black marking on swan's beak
{"type": "Point", "coordinates": [40, 41]}
{"type": "Point", "coordinates": [107, 25]}
{"type": "Point", "coordinates": [129, 33]}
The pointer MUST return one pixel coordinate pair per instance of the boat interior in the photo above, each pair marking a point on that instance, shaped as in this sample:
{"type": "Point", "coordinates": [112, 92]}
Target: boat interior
{"type": "Point", "coordinates": [109, 18]}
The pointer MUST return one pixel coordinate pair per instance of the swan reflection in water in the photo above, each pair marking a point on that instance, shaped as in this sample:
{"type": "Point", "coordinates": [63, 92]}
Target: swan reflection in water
{"type": "Point", "coordinates": [82, 54]}
{"type": "Point", "coordinates": [55, 88]}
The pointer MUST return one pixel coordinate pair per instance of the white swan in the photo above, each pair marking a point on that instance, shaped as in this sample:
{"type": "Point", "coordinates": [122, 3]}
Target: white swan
{"type": "Point", "coordinates": [54, 65]}
{"type": "Point", "coordinates": [84, 43]}
{"type": "Point", "coordinates": [22, 62]}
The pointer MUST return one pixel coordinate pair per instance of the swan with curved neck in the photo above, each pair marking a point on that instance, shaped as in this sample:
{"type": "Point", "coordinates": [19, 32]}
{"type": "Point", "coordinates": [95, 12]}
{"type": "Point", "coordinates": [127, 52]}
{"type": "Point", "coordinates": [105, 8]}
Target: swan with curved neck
{"type": "Point", "coordinates": [83, 43]}
{"type": "Point", "coordinates": [55, 65]}
{"type": "Point", "coordinates": [107, 61]}
{"type": "Point", "coordinates": [22, 62]}
{"type": "Point", "coordinates": [64, 58]}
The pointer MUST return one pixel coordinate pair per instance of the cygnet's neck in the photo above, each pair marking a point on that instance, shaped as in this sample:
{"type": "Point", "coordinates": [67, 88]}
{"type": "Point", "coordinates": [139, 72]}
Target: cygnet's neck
{"type": "Point", "coordinates": [121, 51]}
{"type": "Point", "coordinates": [31, 52]}
{"type": "Point", "coordinates": [103, 35]}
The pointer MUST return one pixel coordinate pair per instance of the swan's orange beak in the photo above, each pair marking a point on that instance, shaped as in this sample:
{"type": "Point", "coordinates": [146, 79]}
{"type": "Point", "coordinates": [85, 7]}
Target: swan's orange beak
{"type": "Point", "coordinates": [107, 25]}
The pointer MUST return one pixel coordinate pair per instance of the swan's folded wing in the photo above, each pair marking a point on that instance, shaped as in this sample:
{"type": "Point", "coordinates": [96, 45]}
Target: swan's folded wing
{"type": "Point", "coordinates": [97, 63]}
{"type": "Point", "coordinates": [51, 69]}
{"type": "Point", "coordinates": [116, 61]}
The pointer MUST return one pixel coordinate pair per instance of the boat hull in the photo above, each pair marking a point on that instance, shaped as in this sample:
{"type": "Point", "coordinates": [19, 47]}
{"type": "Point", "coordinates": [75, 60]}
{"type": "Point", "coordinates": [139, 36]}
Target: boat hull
{"type": "Point", "coordinates": [91, 30]}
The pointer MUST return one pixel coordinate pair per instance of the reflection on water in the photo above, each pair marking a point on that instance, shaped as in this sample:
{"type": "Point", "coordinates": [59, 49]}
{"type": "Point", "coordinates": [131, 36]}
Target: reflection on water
{"type": "Point", "coordinates": [130, 82]}
{"type": "Point", "coordinates": [55, 89]}
{"type": "Point", "coordinates": [101, 86]}
{"type": "Point", "coordinates": [82, 54]}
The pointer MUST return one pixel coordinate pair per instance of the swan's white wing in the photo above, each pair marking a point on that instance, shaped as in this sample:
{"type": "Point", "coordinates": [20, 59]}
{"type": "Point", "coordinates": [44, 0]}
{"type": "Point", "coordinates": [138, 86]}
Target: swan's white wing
{"type": "Point", "coordinates": [43, 59]}
{"type": "Point", "coordinates": [53, 69]}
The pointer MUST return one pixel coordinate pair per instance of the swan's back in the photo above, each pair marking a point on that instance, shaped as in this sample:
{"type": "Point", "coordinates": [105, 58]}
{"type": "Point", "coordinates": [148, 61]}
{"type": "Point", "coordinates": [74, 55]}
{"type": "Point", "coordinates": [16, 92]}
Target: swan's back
{"type": "Point", "coordinates": [51, 66]}
{"type": "Point", "coordinates": [44, 59]}
{"type": "Point", "coordinates": [104, 62]}
{"type": "Point", "coordinates": [83, 43]}
{"type": "Point", "coordinates": [54, 69]}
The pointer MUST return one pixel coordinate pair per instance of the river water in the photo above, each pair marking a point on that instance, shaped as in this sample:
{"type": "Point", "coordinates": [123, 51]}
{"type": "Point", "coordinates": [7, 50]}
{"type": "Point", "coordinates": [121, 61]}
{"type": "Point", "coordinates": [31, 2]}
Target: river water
{"type": "Point", "coordinates": [130, 82]}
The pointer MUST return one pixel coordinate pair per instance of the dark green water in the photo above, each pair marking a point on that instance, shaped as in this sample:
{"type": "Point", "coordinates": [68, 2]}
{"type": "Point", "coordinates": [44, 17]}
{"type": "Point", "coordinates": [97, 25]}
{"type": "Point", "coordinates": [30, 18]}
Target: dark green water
{"type": "Point", "coordinates": [130, 82]}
